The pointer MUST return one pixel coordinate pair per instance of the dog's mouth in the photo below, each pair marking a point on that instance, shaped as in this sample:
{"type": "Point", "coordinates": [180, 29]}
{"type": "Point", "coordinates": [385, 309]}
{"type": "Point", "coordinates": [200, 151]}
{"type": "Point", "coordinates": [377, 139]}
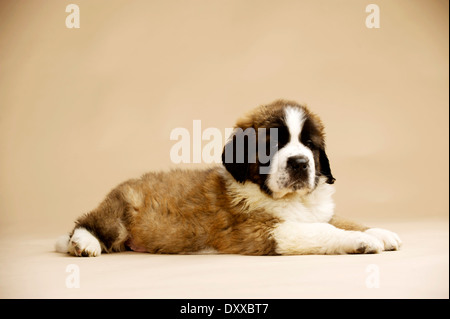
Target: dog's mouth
{"type": "Point", "coordinates": [301, 186]}
{"type": "Point", "coordinates": [297, 180]}
{"type": "Point", "coordinates": [298, 186]}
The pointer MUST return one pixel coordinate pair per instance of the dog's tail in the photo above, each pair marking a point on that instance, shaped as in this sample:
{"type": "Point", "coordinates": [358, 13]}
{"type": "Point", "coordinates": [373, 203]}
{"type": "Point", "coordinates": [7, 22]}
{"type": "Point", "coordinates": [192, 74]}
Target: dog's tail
{"type": "Point", "coordinates": [62, 244]}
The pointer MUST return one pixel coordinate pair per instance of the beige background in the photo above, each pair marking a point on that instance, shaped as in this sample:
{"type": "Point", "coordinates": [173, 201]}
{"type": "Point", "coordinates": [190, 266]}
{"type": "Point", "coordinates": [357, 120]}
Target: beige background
{"type": "Point", "coordinates": [81, 110]}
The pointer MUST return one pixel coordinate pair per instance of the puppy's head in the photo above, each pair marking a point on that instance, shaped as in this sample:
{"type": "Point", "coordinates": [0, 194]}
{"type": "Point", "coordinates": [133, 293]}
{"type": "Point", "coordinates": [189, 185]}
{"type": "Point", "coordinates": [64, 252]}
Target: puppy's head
{"type": "Point", "coordinates": [280, 147]}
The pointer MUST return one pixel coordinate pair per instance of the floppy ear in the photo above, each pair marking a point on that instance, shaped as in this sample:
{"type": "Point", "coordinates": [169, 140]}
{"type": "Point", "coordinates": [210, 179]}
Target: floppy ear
{"type": "Point", "coordinates": [239, 152]}
{"type": "Point", "coordinates": [325, 166]}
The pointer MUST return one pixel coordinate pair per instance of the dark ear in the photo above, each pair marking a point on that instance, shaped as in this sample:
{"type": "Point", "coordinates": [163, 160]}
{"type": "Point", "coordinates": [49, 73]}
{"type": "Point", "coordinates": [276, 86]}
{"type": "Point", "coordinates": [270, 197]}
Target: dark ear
{"type": "Point", "coordinates": [239, 152]}
{"type": "Point", "coordinates": [325, 166]}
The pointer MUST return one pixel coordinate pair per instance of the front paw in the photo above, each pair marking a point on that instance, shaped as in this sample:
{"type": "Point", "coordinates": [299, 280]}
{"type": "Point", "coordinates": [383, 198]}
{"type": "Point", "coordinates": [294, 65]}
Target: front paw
{"type": "Point", "coordinates": [360, 243]}
{"type": "Point", "coordinates": [390, 240]}
{"type": "Point", "coordinates": [84, 244]}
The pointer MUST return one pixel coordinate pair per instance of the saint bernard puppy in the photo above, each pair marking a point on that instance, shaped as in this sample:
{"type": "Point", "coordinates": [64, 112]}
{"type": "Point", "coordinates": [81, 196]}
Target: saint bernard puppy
{"type": "Point", "coordinates": [280, 206]}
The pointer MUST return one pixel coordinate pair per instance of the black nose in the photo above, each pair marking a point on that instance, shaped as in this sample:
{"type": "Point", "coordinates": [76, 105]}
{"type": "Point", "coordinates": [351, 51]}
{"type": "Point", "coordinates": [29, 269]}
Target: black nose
{"type": "Point", "coordinates": [298, 162]}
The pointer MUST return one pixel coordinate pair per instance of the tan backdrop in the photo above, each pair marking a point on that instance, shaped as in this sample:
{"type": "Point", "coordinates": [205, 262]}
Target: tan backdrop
{"type": "Point", "coordinates": [84, 109]}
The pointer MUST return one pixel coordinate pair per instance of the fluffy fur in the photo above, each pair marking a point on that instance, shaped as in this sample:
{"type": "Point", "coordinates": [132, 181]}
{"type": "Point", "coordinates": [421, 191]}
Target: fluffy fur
{"type": "Point", "coordinates": [234, 208]}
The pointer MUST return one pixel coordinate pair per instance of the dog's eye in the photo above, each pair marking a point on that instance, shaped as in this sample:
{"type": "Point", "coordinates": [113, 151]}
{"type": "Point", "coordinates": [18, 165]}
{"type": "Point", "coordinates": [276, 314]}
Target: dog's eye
{"type": "Point", "coordinates": [310, 144]}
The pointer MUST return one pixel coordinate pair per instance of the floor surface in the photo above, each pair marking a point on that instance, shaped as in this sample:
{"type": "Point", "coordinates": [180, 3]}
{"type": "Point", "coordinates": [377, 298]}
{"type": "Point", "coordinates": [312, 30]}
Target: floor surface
{"type": "Point", "coordinates": [31, 269]}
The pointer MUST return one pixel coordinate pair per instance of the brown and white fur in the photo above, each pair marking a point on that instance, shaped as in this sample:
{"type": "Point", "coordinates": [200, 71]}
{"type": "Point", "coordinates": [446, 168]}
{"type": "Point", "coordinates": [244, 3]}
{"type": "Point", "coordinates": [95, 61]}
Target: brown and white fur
{"type": "Point", "coordinates": [234, 208]}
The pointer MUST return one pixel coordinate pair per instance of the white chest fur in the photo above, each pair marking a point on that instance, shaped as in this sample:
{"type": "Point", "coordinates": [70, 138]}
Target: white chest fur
{"type": "Point", "coordinates": [315, 207]}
